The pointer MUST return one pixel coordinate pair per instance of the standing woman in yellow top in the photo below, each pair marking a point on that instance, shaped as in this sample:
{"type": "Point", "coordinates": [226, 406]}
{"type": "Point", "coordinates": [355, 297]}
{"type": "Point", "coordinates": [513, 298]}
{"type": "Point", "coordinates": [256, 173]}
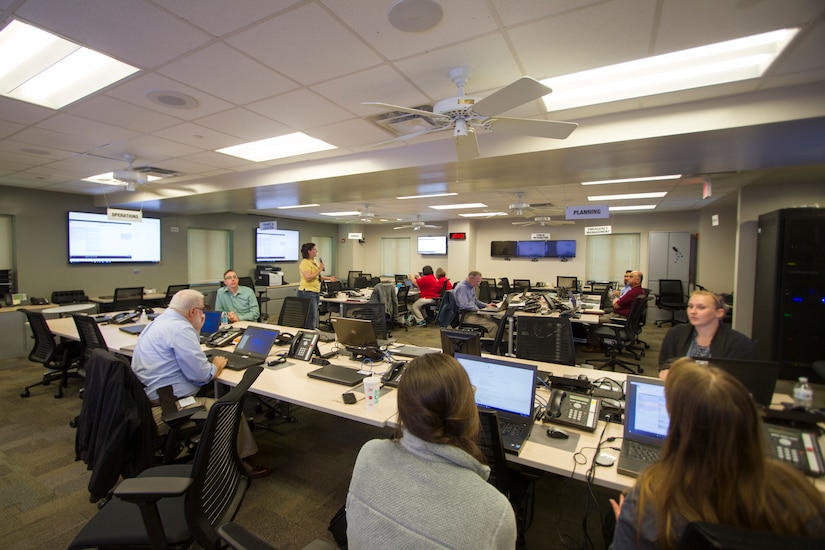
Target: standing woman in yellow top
{"type": "Point", "coordinates": [311, 278]}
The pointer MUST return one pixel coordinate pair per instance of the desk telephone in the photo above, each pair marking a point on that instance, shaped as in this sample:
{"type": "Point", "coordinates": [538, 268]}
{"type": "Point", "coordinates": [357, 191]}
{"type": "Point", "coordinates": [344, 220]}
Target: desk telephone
{"type": "Point", "coordinates": [125, 317]}
{"type": "Point", "coordinates": [393, 375]}
{"type": "Point", "coordinates": [573, 409]}
{"type": "Point", "coordinates": [223, 337]}
{"type": "Point", "coordinates": [799, 448]}
{"type": "Point", "coordinates": [303, 345]}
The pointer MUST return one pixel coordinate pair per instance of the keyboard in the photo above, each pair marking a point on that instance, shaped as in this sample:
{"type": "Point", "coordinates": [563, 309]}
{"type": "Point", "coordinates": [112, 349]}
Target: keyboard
{"type": "Point", "coordinates": [642, 452]}
{"type": "Point", "coordinates": [508, 428]}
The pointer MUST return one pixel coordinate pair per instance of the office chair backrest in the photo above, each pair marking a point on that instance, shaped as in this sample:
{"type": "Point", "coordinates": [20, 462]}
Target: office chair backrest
{"type": "Point", "coordinates": [633, 325]}
{"type": "Point", "coordinates": [521, 285]}
{"type": "Point", "coordinates": [361, 282]}
{"type": "Point", "coordinates": [90, 335]}
{"type": "Point", "coordinates": [247, 282]}
{"type": "Point", "coordinates": [484, 292]}
{"type": "Point", "coordinates": [503, 327]}
{"type": "Point", "coordinates": [334, 286]}
{"type": "Point", "coordinates": [294, 312]}
{"type": "Point", "coordinates": [209, 299]}
{"type": "Point", "coordinates": [670, 290]}
{"type": "Point", "coordinates": [403, 292]}
{"type": "Point", "coordinates": [219, 477]}
{"type": "Point", "coordinates": [45, 347]}
{"type": "Point", "coordinates": [489, 441]}
{"type": "Point", "coordinates": [127, 298]}
{"type": "Point", "coordinates": [351, 276]}
{"type": "Point", "coordinates": [505, 285]}
{"type": "Point", "coordinates": [548, 339]}
{"type": "Point", "coordinates": [699, 535]}
{"type": "Point", "coordinates": [171, 290]}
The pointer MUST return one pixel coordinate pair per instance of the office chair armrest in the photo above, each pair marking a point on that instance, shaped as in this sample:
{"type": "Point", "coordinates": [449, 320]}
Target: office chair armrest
{"type": "Point", "coordinates": [151, 489]}
{"type": "Point", "coordinates": [183, 416]}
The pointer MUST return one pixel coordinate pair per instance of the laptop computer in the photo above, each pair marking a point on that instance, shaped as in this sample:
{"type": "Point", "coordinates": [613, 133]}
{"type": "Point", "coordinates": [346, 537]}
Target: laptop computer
{"type": "Point", "coordinates": [409, 350]}
{"type": "Point", "coordinates": [645, 424]}
{"type": "Point", "coordinates": [507, 388]}
{"type": "Point", "coordinates": [338, 375]}
{"type": "Point", "coordinates": [357, 333]}
{"type": "Point", "coordinates": [211, 324]}
{"type": "Point", "coordinates": [133, 329]}
{"type": "Point", "coordinates": [253, 348]}
{"type": "Point", "coordinates": [758, 377]}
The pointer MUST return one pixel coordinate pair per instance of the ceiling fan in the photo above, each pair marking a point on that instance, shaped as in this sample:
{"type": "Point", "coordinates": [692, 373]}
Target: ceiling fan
{"type": "Point", "coordinates": [463, 114]}
{"type": "Point", "coordinates": [417, 225]}
{"type": "Point", "coordinates": [543, 221]}
{"type": "Point", "coordinates": [365, 216]}
{"type": "Point", "coordinates": [518, 207]}
{"type": "Point", "coordinates": [133, 177]}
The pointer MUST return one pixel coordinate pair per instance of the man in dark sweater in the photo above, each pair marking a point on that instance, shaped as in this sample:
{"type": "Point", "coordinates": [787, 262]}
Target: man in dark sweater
{"type": "Point", "coordinates": [621, 306]}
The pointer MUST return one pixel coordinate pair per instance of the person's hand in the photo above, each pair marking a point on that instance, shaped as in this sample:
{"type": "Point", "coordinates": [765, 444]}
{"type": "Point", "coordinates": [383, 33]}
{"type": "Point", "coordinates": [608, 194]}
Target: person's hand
{"type": "Point", "coordinates": [333, 279]}
{"type": "Point", "coordinates": [321, 266]}
{"type": "Point", "coordinates": [233, 317]}
{"type": "Point", "coordinates": [663, 374]}
{"type": "Point", "coordinates": [220, 363]}
{"type": "Point", "coordinates": [617, 506]}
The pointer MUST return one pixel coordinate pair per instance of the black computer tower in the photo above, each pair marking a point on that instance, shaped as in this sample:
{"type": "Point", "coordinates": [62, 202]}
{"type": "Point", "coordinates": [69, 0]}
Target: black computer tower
{"type": "Point", "coordinates": [789, 292]}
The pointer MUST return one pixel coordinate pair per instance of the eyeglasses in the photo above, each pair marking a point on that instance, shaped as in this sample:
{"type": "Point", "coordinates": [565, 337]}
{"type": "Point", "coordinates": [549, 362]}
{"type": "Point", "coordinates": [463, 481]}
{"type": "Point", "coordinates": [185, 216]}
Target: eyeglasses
{"type": "Point", "coordinates": [228, 277]}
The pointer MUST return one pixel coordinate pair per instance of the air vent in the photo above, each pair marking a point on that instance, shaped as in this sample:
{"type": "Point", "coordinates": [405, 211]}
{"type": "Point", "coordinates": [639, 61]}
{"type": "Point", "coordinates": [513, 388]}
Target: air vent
{"type": "Point", "coordinates": [156, 172]}
{"type": "Point", "coordinates": [401, 123]}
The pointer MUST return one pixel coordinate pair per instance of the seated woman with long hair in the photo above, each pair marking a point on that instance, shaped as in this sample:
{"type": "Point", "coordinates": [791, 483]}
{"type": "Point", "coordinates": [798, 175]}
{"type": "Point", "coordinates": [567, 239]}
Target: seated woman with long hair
{"type": "Point", "coordinates": [427, 488]}
{"type": "Point", "coordinates": [712, 468]}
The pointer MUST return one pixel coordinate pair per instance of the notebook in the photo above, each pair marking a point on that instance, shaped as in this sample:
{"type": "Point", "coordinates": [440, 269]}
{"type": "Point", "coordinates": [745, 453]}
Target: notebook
{"type": "Point", "coordinates": [133, 329]}
{"type": "Point", "coordinates": [253, 348]}
{"type": "Point", "coordinates": [211, 324]}
{"type": "Point", "coordinates": [759, 377]}
{"type": "Point", "coordinates": [507, 388]}
{"type": "Point", "coordinates": [645, 424]}
{"type": "Point", "coordinates": [338, 375]}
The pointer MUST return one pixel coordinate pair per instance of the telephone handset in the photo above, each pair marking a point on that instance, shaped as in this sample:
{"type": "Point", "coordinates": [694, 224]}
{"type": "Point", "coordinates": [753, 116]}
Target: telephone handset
{"type": "Point", "coordinates": [125, 317]}
{"type": "Point", "coordinates": [223, 337]}
{"type": "Point", "coordinates": [573, 409]}
{"type": "Point", "coordinates": [303, 345]}
{"type": "Point", "coordinates": [284, 338]}
{"type": "Point", "coordinates": [393, 375]}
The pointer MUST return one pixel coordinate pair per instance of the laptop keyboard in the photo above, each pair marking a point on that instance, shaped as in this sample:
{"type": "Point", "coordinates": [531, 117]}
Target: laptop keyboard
{"type": "Point", "coordinates": [642, 452]}
{"type": "Point", "coordinates": [510, 429]}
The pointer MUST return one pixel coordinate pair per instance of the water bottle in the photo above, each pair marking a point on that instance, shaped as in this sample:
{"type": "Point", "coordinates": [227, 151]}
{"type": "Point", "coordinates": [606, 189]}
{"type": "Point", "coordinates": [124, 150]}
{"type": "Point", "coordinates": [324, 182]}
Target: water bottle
{"type": "Point", "coordinates": [224, 318]}
{"type": "Point", "coordinates": [803, 395]}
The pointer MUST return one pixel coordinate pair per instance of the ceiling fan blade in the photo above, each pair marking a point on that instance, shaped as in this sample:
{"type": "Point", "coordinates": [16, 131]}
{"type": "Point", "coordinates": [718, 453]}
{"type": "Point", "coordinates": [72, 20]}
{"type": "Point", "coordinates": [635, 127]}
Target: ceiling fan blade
{"type": "Point", "coordinates": [408, 136]}
{"type": "Point", "coordinates": [428, 114]}
{"type": "Point", "coordinates": [529, 127]}
{"type": "Point", "coordinates": [402, 227]}
{"type": "Point", "coordinates": [466, 147]}
{"type": "Point", "coordinates": [513, 95]}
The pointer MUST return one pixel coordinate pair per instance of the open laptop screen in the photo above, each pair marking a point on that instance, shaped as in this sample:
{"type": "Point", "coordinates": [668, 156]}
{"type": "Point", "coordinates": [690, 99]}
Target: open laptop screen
{"type": "Point", "coordinates": [502, 385]}
{"type": "Point", "coordinates": [256, 341]}
{"type": "Point", "coordinates": [356, 333]}
{"type": "Point", "coordinates": [646, 418]}
{"type": "Point", "coordinates": [211, 322]}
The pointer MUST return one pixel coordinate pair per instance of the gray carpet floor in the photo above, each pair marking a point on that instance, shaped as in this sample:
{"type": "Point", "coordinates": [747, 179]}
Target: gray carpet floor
{"type": "Point", "coordinates": [44, 498]}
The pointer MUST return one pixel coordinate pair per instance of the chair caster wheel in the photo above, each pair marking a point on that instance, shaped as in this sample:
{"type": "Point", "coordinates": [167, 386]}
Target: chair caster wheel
{"type": "Point", "coordinates": [25, 393]}
{"type": "Point", "coordinates": [58, 396]}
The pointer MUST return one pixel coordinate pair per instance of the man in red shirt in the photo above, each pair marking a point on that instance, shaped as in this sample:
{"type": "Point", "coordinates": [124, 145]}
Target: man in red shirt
{"type": "Point", "coordinates": [429, 288]}
{"type": "Point", "coordinates": [621, 306]}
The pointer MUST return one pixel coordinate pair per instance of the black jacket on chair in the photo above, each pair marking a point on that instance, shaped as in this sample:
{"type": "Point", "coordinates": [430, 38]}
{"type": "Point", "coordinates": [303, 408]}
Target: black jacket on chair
{"type": "Point", "coordinates": [115, 432]}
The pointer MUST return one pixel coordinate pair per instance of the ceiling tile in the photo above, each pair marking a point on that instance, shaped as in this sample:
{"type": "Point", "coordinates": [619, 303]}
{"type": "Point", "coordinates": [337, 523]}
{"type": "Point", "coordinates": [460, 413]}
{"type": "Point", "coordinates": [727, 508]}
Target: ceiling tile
{"type": "Point", "coordinates": [219, 17]}
{"type": "Point", "coordinates": [300, 109]}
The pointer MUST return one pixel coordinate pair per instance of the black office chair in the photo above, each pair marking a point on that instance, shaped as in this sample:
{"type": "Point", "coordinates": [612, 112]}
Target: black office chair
{"type": "Point", "coordinates": [361, 282]}
{"type": "Point", "coordinates": [209, 299]}
{"type": "Point", "coordinates": [262, 299]}
{"type": "Point", "coordinates": [496, 345]}
{"type": "Point", "coordinates": [171, 290]}
{"type": "Point", "coordinates": [671, 298]}
{"type": "Point", "coordinates": [178, 505]}
{"type": "Point", "coordinates": [547, 339]}
{"type": "Point", "coordinates": [505, 286]}
{"type": "Point", "coordinates": [127, 298]}
{"type": "Point", "coordinates": [386, 295]}
{"type": "Point", "coordinates": [699, 535]}
{"type": "Point", "coordinates": [60, 297]}
{"type": "Point", "coordinates": [491, 284]}
{"type": "Point", "coordinates": [520, 285]}
{"type": "Point", "coordinates": [90, 336]}
{"type": "Point", "coordinates": [295, 312]}
{"type": "Point", "coordinates": [60, 360]}
{"type": "Point", "coordinates": [618, 338]}
{"type": "Point", "coordinates": [518, 486]}
{"type": "Point", "coordinates": [403, 306]}
{"type": "Point", "coordinates": [375, 312]}
{"type": "Point", "coordinates": [485, 293]}
{"type": "Point", "coordinates": [351, 276]}
{"type": "Point", "coordinates": [237, 537]}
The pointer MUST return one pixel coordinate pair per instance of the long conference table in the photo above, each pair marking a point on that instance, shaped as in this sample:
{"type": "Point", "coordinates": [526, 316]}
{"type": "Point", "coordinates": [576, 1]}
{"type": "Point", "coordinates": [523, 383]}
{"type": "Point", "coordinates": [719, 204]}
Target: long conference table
{"type": "Point", "coordinates": [289, 382]}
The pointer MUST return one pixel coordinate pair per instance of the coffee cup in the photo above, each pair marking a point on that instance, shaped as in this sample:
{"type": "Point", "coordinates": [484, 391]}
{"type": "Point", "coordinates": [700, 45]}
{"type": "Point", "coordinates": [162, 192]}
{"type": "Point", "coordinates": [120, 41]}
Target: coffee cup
{"type": "Point", "coordinates": [372, 391]}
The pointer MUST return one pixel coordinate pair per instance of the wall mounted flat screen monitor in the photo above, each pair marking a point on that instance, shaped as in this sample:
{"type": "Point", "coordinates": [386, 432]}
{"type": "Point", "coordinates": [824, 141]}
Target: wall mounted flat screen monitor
{"type": "Point", "coordinates": [502, 249]}
{"type": "Point", "coordinates": [531, 249]}
{"type": "Point", "coordinates": [467, 342]}
{"type": "Point", "coordinates": [276, 245]}
{"type": "Point", "coordinates": [561, 249]}
{"type": "Point", "coordinates": [95, 239]}
{"type": "Point", "coordinates": [436, 245]}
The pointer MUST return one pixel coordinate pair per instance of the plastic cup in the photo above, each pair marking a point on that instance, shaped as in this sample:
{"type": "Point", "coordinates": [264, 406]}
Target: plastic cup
{"type": "Point", "coordinates": [372, 391]}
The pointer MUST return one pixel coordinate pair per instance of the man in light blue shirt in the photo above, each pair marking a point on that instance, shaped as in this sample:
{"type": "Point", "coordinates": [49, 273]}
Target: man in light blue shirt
{"type": "Point", "coordinates": [239, 302]}
{"type": "Point", "coordinates": [168, 352]}
{"type": "Point", "coordinates": [465, 297]}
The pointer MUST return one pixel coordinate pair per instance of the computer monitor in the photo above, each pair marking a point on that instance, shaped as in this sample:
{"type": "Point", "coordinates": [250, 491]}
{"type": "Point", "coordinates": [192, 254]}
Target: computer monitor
{"type": "Point", "coordinates": [569, 283]}
{"type": "Point", "coordinates": [467, 342]}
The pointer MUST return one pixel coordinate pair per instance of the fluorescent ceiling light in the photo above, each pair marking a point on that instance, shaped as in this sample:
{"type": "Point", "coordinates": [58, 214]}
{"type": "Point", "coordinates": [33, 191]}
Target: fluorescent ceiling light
{"type": "Point", "coordinates": [459, 206]}
{"type": "Point", "coordinates": [41, 68]}
{"type": "Point", "coordinates": [349, 213]}
{"type": "Point", "coordinates": [637, 207]}
{"type": "Point", "coordinates": [628, 180]}
{"type": "Point", "coordinates": [290, 145]}
{"type": "Point", "coordinates": [483, 214]}
{"type": "Point", "coordinates": [297, 206]}
{"type": "Point", "coordinates": [109, 179]}
{"type": "Point", "coordinates": [433, 195]}
{"type": "Point", "coordinates": [655, 195]}
{"type": "Point", "coordinates": [711, 65]}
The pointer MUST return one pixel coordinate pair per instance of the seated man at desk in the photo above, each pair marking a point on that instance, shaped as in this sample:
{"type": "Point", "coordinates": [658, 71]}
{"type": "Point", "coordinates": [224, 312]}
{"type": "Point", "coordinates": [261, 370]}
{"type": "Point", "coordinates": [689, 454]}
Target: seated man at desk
{"type": "Point", "coordinates": [465, 297]}
{"type": "Point", "coordinates": [621, 306]}
{"type": "Point", "coordinates": [239, 302]}
{"type": "Point", "coordinates": [168, 352]}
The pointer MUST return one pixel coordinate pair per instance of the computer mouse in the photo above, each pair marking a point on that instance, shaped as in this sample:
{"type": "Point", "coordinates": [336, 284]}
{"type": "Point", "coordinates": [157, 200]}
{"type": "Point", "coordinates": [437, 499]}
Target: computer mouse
{"type": "Point", "coordinates": [557, 433]}
{"type": "Point", "coordinates": [605, 459]}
